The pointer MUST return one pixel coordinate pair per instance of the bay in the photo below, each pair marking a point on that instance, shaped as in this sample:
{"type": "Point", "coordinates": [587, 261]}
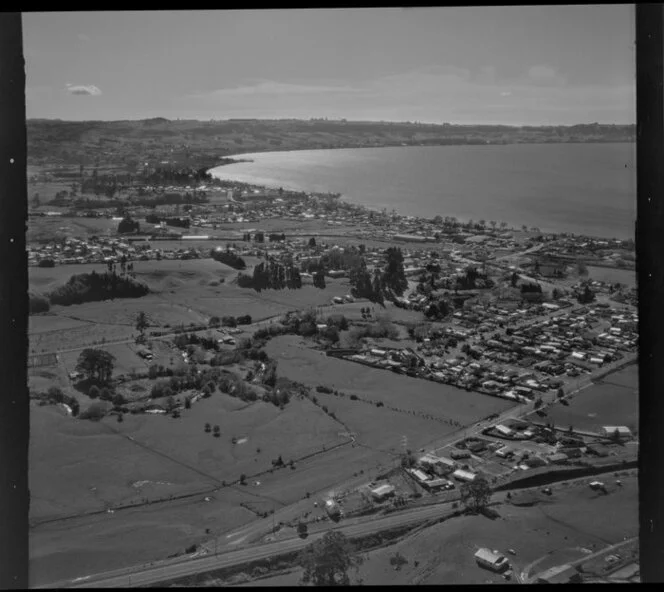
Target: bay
{"type": "Point", "coordinates": [587, 189]}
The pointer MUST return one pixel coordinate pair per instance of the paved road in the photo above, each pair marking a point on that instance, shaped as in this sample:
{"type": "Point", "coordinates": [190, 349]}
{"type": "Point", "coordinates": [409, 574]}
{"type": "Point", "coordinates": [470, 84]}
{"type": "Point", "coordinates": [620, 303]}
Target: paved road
{"type": "Point", "coordinates": [166, 571]}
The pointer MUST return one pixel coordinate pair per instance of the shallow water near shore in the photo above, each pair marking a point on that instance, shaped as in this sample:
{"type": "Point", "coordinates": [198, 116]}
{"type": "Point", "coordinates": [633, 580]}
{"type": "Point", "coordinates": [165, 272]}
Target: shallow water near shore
{"type": "Point", "coordinates": [580, 188]}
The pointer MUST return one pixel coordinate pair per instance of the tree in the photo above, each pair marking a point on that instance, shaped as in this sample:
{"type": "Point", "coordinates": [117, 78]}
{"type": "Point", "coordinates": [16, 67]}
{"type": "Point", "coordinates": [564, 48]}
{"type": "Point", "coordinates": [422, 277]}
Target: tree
{"type": "Point", "coordinates": [55, 394]}
{"type": "Point", "coordinates": [93, 393]}
{"type": "Point", "coordinates": [327, 561]}
{"type": "Point", "coordinates": [319, 279]}
{"type": "Point", "coordinates": [312, 242]}
{"type": "Point", "coordinates": [96, 364]}
{"type": "Point", "coordinates": [476, 494]}
{"type": "Point", "coordinates": [127, 225]}
{"type": "Point", "coordinates": [36, 201]}
{"type": "Point", "coordinates": [581, 268]}
{"type": "Point", "coordinates": [394, 278]}
{"type": "Point", "coordinates": [141, 322]}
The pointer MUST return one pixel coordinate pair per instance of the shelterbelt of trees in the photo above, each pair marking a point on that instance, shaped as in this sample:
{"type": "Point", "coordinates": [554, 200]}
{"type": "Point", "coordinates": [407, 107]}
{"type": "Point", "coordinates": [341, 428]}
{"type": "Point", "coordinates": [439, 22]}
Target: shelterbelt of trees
{"type": "Point", "coordinates": [89, 287]}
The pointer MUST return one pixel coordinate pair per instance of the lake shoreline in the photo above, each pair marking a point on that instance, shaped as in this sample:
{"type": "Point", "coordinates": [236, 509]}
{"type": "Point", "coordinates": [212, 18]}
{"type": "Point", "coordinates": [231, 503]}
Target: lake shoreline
{"type": "Point", "coordinates": [411, 189]}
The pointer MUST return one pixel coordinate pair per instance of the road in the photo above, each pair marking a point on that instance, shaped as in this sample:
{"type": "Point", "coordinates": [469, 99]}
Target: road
{"type": "Point", "coordinates": [525, 578]}
{"type": "Point", "coordinates": [167, 571]}
{"type": "Point", "coordinates": [170, 569]}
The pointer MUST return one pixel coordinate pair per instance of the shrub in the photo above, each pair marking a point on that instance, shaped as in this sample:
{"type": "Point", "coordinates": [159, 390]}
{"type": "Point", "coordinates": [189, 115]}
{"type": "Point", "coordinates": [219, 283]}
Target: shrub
{"type": "Point", "coordinates": [93, 392]}
{"type": "Point", "coordinates": [46, 263]}
{"type": "Point", "coordinates": [353, 397]}
{"type": "Point", "coordinates": [95, 412]}
{"type": "Point", "coordinates": [38, 303]}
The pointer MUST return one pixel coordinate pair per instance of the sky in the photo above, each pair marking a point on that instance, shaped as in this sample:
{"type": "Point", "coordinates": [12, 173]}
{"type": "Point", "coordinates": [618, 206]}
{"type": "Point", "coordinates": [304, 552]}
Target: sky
{"type": "Point", "coordinates": [514, 65]}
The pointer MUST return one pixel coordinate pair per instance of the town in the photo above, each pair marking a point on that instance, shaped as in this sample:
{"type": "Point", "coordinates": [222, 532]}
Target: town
{"type": "Point", "coordinates": [534, 321]}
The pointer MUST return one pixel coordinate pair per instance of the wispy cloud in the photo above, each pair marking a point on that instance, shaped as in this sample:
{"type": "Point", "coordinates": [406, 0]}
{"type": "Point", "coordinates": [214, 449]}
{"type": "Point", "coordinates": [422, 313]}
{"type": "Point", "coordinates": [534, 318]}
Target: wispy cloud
{"type": "Point", "coordinates": [431, 93]}
{"type": "Point", "coordinates": [271, 88]}
{"type": "Point", "coordinates": [83, 89]}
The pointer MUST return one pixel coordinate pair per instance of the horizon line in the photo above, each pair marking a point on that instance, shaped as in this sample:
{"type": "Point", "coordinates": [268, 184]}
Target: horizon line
{"type": "Point", "coordinates": [325, 120]}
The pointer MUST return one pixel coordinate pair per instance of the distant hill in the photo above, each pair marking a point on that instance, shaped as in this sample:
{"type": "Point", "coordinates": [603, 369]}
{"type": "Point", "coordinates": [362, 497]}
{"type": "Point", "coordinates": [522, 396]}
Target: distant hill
{"type": "Point", "coordinates": [125, 144]}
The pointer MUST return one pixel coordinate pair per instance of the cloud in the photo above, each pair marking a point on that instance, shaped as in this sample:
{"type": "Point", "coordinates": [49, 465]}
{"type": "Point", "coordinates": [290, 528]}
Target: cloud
{"type": "Point", "coordinates": [431, 93]}
{"type": "Point", "coordinates": [83, 89]}
{"type": "Point", "coordinates": [545, 76]}
{"type": "Point", "coordinates": [270, 88]}
{"type": "Point", "coordinates": [83, 37]}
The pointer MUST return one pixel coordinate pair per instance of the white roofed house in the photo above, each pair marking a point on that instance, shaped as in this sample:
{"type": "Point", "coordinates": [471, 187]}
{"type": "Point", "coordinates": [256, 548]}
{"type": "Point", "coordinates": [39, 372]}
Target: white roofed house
{"type": "Point", "coordinates": [382, 492]}
{"type": "Point", "coordinates": [623, 432]}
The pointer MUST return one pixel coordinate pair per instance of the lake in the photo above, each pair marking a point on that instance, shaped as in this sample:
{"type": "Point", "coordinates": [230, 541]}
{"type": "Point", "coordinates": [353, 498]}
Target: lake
{"type": "Point", "coordinates": [580, 188]}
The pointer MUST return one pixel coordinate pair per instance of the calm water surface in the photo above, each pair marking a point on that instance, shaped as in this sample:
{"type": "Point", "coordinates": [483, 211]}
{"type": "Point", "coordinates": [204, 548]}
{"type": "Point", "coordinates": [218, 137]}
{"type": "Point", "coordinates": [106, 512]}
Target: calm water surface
{"type": "Point", "coordinates": [581, 188]}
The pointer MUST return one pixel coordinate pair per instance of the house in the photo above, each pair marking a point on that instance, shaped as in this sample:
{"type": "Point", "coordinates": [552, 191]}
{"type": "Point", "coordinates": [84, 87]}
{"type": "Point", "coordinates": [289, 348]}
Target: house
{"type": "Point", "coordinates": [462, 475]}
{"type": "Point", "coordinates": [437, 484]}
{"type": "Point", "coordinates": [419, 475]}
{"type": "Point", "coordinates": [609, 431]}
{"type": "Point", "coordinates": [505, 451]}
{"type": "Point", "coordinates": [504, 430]}
{"type": "Point", "coordinates": [560, 574]}
{"type": "Point", "coordinates": [460, 454]}
{"type": "Point", "coordinates": [491, 560]}
{"type": "Point", "coordinates": [383, 492]}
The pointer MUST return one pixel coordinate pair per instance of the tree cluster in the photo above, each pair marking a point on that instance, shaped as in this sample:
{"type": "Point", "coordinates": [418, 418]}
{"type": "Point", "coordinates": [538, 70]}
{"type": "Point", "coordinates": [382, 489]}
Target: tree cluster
{"type": "Point", "coordinates": [55, 395]}
{"type": "Point", "coordinates": [271, 276]}
{"type": "Point", "coordinates": [96, 365]}
{"type": "Point", "coordinates": [169, 220]}
{"type": "Point", "coordinates": [128, 226]}
{"type": "Point", "coordinates": [327, 561]}
{"type": "Point", "coordinates": [93, 287]}
{"type": "Point", "coordinates": [228, 258]}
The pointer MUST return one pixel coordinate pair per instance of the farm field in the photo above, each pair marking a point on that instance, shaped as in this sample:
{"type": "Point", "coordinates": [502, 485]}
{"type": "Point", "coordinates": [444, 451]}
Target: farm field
{"type": "Point", "coordinates": [51, 227]}
{"type": "Point", "coordinates": [75, 548]}
{"type": "Point", "coordinates": [551, 532]}
{"type": "Point", "coordinates": [314, 368]}
{"type": "Point", "coordinates": [604, 403]}
{"type": "Point", "coordinates": [229, 299]}
{"type": "Point", "coordinates": [78, 466]}
{"type": "Point", "coordinates": [41, 379]}
{"type": "Point", "coordinates": [51, 322]}
{"type": "Point", "coordinates": [68, 456]}
{"type": "Point", "coordinates": [298, 430]}
{"type": "Point", "coordinates": [372, 424]}
{"type": "Point", "coordinates": [81, 466]}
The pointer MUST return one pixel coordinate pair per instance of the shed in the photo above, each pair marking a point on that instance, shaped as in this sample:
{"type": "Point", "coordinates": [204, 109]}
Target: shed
{"type": "Point", "coordinates": [560, 574]}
